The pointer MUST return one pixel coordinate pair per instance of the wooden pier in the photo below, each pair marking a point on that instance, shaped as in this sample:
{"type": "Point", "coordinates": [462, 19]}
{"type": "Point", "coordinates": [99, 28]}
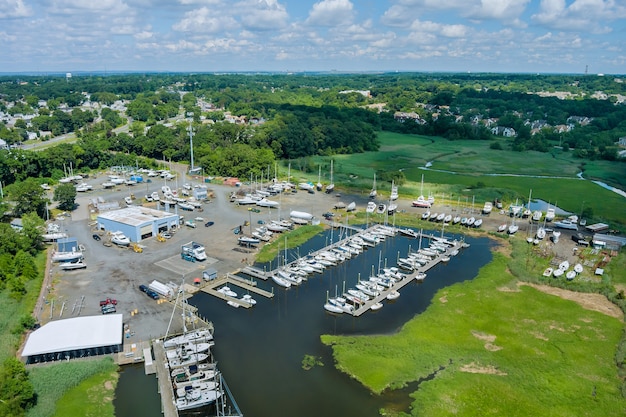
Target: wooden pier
{"type": "Point", "coordinates": [408, 278]}
{"type": "Point", "coordinates": [166, 390]}
{"type": "Point", "coordinates": [248, 285]}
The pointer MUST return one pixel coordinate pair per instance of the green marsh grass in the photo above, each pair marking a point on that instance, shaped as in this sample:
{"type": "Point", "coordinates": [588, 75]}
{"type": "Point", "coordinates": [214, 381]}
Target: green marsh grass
{"type": "Point", "coordinates": [54, 381]}
{"type": "Point", "coordinates": [534, 354]}
{"type": "Point", "coordinates": [293, 239]}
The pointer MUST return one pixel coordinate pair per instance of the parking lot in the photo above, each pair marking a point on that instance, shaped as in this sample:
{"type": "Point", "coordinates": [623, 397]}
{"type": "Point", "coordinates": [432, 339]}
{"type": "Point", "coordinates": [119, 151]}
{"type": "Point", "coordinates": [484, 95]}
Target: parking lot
{"type": "Point", "coordinates": [116, 272]}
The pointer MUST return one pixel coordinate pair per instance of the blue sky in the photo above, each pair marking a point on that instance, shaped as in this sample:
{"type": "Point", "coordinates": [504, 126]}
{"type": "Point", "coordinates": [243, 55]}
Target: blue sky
{"type": "Point", "coordinates": [303, 35]}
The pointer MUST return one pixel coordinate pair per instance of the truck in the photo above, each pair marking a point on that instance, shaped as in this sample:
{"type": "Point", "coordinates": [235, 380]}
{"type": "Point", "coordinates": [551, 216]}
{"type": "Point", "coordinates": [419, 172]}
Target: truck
{"type": "Point", "coordinates": [194, 249]}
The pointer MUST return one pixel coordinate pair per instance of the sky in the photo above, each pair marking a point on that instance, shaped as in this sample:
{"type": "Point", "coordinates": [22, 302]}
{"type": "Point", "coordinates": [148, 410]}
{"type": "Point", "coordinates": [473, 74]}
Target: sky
{"type": "Point", "coordinates": [531, 36]}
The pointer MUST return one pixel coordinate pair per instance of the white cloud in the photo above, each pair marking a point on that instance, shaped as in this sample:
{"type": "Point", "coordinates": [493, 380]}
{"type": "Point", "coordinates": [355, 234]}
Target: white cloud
{"type": "Point", "coordinates": [204, 20]}
{"type": "Point", "coordinates": [331, 13]}
{"type": "Point", "coordinates": [449, 31]}
{"type": "Point", "coordinates": [263, 14]}
{"type": "Point", "coordinates": [581, 15]}
{"type": "Point", "coordinates": [14, 8]}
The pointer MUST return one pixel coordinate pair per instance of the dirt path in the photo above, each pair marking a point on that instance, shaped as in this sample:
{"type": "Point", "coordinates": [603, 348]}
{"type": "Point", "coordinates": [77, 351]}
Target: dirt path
{"type": "Point", "coordinates": [594, 302]}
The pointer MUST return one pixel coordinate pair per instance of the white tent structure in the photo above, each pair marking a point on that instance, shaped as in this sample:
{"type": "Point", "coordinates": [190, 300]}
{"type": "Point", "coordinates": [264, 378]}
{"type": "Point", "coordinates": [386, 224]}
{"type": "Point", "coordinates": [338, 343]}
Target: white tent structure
{"type": "Point", "coordinates": [74, 338]}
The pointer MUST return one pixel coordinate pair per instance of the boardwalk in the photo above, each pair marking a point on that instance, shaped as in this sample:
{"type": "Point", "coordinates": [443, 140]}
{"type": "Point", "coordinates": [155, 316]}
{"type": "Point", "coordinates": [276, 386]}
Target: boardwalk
{"type": "Point", "coordinates": [165, 383]}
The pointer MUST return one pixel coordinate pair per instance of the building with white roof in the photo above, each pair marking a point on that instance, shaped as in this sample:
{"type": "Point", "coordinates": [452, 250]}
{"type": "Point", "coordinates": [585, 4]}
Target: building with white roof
{"type": "Point", "coordinates": [137, 222]}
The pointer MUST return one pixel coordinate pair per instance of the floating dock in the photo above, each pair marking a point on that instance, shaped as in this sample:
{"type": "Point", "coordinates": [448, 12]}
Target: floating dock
{"type": "Point", "coordinates": [248, 285]}
{"type": "Point", "coordinates": [165, 383]}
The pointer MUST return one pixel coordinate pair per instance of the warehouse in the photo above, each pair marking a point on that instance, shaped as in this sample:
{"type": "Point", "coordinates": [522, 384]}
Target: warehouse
{"type": "Point", "coordinates": [75, 338]}
{"type": "Point", "coordinates": [136, 222]}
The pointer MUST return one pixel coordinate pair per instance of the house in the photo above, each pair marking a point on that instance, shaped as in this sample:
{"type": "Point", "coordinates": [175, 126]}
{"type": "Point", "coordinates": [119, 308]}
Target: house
{"type": "Point", "coordinates": [507, 132]}
{"type": "Point", "coordinates": [622, 142]}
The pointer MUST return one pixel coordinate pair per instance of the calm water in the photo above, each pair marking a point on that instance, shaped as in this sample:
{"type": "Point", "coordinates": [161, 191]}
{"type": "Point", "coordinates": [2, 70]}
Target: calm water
{"type": "Point", "coordinates": [260, 350]}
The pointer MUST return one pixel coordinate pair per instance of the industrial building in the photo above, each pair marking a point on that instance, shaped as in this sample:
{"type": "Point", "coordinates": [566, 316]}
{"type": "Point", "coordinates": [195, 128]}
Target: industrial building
{"type": "Point", "coordinates": [137, 222]}
{"type": "Point", "coordinates": [77, 337]}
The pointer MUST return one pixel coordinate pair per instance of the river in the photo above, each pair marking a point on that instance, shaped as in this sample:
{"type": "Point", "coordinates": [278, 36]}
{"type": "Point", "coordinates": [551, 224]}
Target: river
{"type": "Point", "coordinates": [260, 350]}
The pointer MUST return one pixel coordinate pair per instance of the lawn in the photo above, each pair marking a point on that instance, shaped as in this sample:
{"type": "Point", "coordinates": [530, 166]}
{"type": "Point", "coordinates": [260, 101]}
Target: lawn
{"type": "Point", "coordinates": [493, 348]}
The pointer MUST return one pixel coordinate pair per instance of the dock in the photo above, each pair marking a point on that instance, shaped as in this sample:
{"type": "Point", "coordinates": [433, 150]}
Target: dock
{"type": "Point", "coordinates": [248, 285]}
{"type": "Point", "coordinates": [165, 383]}
{"type": "Point", "coordinates": [408, 278]}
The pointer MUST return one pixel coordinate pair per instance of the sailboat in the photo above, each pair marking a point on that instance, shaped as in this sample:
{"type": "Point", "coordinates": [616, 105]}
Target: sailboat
{"type": "Point", "coordinates": [421, 200]}
{"type": "Point", "coordinates": [330, 187]}
{"type": "Point", "coordinates": [394, 191]}
{"type": "Point", "coordinates": [373, 192]}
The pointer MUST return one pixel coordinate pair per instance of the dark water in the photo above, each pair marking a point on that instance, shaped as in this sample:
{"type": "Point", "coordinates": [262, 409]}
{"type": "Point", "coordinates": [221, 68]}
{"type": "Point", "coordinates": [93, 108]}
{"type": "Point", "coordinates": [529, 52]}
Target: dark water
{"type": "Point", "coordinates": [137, 393]}
{"type": "Point", "coordinates": [260, 350]}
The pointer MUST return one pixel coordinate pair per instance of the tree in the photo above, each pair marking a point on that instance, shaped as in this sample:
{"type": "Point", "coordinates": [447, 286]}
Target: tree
{"type": "Point", "coordinates": [28, 197]}
{"type": "Point", "coordinates": [65, 194]}
{"type": "Point", "coordinates": [17, 393]}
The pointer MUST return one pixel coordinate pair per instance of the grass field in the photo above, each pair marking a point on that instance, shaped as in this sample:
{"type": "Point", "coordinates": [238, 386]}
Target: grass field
{"type": "Point", "coordinates": [495, 349]}
{"type": "Point", "coordinates": [77, 388]}
{"type": "Point", "coordinates": [462, 171]}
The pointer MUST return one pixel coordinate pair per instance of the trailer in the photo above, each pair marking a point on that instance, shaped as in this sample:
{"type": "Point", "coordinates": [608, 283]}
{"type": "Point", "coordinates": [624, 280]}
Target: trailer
{"type": "Point", "coordinates": [195, 250]}
{"type": "Point", "coordinates": [160, 288]}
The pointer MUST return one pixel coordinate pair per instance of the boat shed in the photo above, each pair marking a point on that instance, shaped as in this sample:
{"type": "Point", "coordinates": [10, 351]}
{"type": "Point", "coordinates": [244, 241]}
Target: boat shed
{"type": "Point", "coordinates": [77, 337]}
{"type": "Point", "coordinates": [611, 242]}
{"type": "Point", "coordinates": [137, 222]}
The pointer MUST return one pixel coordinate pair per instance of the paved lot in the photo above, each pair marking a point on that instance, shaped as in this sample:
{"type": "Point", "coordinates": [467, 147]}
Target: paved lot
{"type": "Point", "coordinates": [116, 272]}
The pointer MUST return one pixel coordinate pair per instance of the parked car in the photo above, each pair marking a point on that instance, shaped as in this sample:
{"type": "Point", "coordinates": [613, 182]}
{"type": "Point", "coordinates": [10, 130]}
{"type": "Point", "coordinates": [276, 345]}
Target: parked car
{"type": "Point", "coordinates": [109, 308]}
{"type": "Point", "coordinates": [143, 288]}
{"type": "Point", "coordinates": [208, 224]}
{"type": "Point", "coordinates": [166, 235]}
{"type": "Point", "coordinates": [108, 301]}
{"type": "Point", "coordinates": [152, 294]}
{"type": "Point", "coordinates": [96, 237]}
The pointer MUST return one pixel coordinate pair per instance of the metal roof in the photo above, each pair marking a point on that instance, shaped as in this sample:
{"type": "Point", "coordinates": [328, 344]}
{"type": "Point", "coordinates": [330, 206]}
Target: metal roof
{"type": "Point", "coordinates": [75, 333]}
{"type": "Point", "coordinates": [135, 216]}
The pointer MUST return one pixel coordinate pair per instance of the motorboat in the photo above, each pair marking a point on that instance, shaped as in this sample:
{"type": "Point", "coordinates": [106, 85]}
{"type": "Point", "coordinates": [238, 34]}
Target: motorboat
{"type": "Point", "coordinates": [470, 221]}
{"type": "Point", "coordinates": [578, 268]}
{"type": "Point", "coordinates": [351, 206]}
{"type": "Point", "coordinates": [478, 222]}
{"type": "Point", "coordinates": [433, 217]}
{"type": "Point", "coordinates": [548, 271]}
{"type": "Point", "coordinates": [566, 224]}
{"type": "Point", "coordinates": [550, 213]}
{"type": "Point", "coordinates": [487, 207]}
{"type": "Point", "coordinates": [76, 264]}
{"type": "Point", "coordinates": [201, 335]}
{"type": "Point", "coordinates": [564, 265]}
{"type": "Point", "coordinates": [247, 298]}
{"type": "Point", "coordinates": [513, 228]}
{"type": "Point", "coordinates": [447, 218]}
{"type": "Point", "coordinates": [558, 272]}
{"type": "Point", "coordinates": [306, 186]}
{"type": "Point", "coordinates": [189, 348]}
{"type": "Point", "coordinates": [119, 239]}
{"type": "Point", "coordinates": [381, 208]}
{"type": "Point", "coordinates": [456, 219]}
{"type": "Point", "coordinates": [408, 232]}
{"type": "Point", "coordinates": [537, 214]}
{"type": "Point", "coordinates": [183, 387]}
{"type": "Point", "coordinates": [187, 359]}
{"type": "Point", "coordinates": [83, 187]}
{"type": "Point", "coordinates": [376, 306]}
{"type": "Point", "coordinates": [248, 240]}
{"type": "Point", "coordinates": [281, 281]}
{"type": "Point", "coordinates": [196, 398]}
{"type": "Point", "coordinates": [421, 202]}
{"type": "Point", "coordinates": [570, 275]}
{"type": "Point", "coordinates": [555, 236]}
{"type": "Point", "coordinates": [232, 303]}
{"type": "Point", "coordinates": [264, 202]}
{"type": "Point", "coordinates": [371, 207]}
{"type": "Point", "coordinates": [391, 208]}
{"type": "Point", "coordinates": [502, 228]}
{"type": "Point", "coordinates": [393, 295]}
{"type": "Point", "coordinates": [332, 308]}
{"type": "Point", "coordinates": [440, 217]}
{"type": "Point", "coordinates": [67, 256]}
{"type": "Point", "coordinates": [541, 233]}
{"type": "Point", "coordinates": [227, 291]}
{"type": "Point", "coordinates": [426, 215]}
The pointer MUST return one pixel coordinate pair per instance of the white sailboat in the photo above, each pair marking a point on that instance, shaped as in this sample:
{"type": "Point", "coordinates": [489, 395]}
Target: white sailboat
{"type": "Point", "coordinates": [330, 187]}
{"type": "Point", "coordinates": [319, 179]}
{"type": "Point", "coordinates": [394, 192]}
{"type": "Point", "coordinates": [373, 192]}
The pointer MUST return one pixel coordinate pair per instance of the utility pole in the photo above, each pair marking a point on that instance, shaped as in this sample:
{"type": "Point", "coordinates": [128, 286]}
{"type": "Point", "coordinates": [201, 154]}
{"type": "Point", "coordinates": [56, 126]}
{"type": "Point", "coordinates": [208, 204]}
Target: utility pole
{"type": "Point", "coordinates": [190, 129]}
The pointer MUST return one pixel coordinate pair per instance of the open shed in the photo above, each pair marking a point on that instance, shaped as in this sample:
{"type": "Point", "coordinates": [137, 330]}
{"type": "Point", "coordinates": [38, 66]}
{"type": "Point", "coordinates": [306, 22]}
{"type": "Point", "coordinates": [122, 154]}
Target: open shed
{"type": "Point", "coordinates": [77, 337]}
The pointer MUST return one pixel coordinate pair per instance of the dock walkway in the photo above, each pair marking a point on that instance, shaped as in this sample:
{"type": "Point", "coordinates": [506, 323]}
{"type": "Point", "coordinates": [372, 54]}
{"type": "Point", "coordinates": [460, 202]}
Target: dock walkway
{"type": "Point", "coordinates": [248, 285]}
{"type": "Point", "coordinates": [165, 383]}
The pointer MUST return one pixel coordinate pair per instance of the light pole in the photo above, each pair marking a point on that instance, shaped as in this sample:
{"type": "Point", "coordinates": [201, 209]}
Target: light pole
{"type": "Point", "coordinates": [190, 129]}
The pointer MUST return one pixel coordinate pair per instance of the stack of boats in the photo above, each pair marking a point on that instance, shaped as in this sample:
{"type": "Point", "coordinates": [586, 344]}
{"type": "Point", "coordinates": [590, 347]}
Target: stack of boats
{"type": "Point", "coordinates": [69, 260]}
{"type": "Point", "coordinates": [196, 380]}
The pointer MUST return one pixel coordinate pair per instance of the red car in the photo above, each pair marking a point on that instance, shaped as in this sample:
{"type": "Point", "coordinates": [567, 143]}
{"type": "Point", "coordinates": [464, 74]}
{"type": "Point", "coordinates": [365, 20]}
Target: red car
{"type": "Point", "coordinates": [108, 301]}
